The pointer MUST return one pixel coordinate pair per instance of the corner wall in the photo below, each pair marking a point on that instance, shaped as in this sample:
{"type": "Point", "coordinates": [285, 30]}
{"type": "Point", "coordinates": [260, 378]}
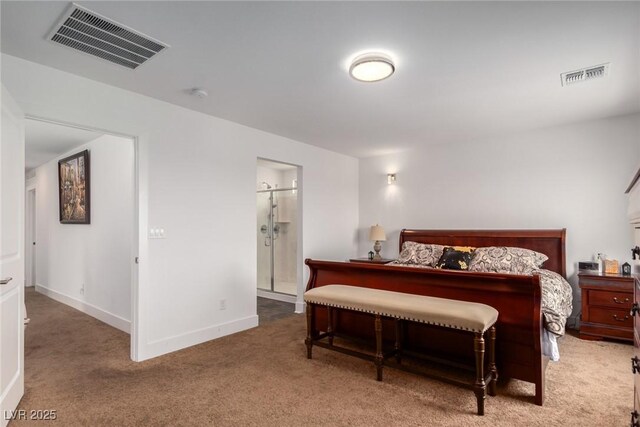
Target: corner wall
{"type": "Point", "coordinates": [88, 266]}
{"type": "Point", "coordinates": [571, 177]}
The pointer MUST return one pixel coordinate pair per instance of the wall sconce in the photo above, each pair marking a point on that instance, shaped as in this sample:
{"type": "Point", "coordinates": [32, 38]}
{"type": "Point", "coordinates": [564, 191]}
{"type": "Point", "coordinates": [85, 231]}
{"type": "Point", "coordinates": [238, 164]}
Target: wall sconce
{"type": "Point", "coordinates": [391, 178]}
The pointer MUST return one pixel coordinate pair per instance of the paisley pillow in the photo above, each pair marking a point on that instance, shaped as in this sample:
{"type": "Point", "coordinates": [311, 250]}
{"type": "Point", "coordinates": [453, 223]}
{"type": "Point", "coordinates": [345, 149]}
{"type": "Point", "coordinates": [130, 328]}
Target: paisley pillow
{"type": "Point", "coordinates": [454, 259]}
{"type": "Point", "coordinates": [420, 254]}
{"type": "Point", "coordinates": [504, 259]}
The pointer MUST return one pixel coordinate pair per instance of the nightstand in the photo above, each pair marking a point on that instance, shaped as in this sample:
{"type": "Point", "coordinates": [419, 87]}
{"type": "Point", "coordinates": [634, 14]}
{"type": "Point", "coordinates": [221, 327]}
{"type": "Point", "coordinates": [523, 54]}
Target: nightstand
{"type": "Point", "coordinates": [371, 261]}
{"type": "Point", "coordinates": [606, 305]}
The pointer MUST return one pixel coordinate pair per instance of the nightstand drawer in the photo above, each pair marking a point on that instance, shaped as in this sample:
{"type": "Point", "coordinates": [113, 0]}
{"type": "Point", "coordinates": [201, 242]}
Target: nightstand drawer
{"type": "Point", "coordinates": [620, 300]}
{"type": "Point", "coordinates": [608, 316]}
{"type": "Point", "coordinates": [606, 302]}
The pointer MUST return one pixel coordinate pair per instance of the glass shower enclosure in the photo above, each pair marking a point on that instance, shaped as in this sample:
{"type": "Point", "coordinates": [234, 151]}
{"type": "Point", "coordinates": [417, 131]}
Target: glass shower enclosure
{"type": "Point", "coordinates": [277, 240]}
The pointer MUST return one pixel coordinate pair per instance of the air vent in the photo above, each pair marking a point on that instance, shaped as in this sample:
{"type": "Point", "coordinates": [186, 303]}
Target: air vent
{"type": "Point", "coordinates": [585, 74]}
{"type": "Point", "coordinates": [93, 34]}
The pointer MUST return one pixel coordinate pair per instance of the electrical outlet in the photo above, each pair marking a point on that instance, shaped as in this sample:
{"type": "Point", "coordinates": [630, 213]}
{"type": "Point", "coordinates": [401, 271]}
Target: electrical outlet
{"type": "Point", "coordinates": [223, 304]}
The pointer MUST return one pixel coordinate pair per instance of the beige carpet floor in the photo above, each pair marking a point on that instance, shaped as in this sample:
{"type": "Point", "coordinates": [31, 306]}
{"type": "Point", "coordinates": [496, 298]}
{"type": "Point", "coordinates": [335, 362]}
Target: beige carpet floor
{"type": "Point", "coordinates": [80, 367]}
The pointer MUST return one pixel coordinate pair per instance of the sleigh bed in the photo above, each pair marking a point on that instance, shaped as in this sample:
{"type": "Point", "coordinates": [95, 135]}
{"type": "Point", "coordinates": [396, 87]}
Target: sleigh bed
{"type": "Point", "coordinates": [516, 297]}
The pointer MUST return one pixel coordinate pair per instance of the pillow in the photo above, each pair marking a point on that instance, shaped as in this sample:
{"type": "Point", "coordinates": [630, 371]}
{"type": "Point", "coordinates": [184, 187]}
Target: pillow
{"type": "Point", "coordinates": [454, 259]}
{"type": "Point", "coordinates": [464, 248]}
{"type": "Point", "coordinates": [420, 254]}
{"type": "Point", "coordinates": [503, 259]}
{"type": "Point", "coordinates": [407, 253]}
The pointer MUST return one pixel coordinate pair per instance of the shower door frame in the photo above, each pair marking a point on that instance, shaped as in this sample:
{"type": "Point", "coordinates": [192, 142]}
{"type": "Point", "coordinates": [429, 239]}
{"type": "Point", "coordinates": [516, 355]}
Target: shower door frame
{"type": "Point", "coordinates": [271, 239]}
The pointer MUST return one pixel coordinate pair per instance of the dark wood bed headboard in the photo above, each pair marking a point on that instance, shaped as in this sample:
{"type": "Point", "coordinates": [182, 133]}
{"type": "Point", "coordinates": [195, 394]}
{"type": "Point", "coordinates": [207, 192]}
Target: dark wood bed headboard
{"type": "Point", "coordinates": [549, 242]}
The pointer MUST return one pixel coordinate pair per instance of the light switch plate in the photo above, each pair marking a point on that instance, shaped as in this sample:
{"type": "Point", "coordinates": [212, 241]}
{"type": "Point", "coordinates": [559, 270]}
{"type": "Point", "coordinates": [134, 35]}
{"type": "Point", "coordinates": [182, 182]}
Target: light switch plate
{"type": "Point", "coordinates": [156, 233]}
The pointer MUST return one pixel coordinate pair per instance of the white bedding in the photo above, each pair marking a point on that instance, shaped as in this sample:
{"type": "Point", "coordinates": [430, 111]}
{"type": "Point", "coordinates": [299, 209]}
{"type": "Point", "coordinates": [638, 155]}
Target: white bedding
{"type": "Point", "coordinates": [550, 345]}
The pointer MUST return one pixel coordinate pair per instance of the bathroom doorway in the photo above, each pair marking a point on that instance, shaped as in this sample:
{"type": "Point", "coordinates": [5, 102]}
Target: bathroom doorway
{"type": "Point", "coordinates": [277, 230]}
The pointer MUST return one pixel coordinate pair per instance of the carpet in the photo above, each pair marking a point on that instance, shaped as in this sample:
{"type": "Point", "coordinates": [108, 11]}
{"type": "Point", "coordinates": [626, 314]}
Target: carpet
{"type": "Point", "coordinates": [80, 368]}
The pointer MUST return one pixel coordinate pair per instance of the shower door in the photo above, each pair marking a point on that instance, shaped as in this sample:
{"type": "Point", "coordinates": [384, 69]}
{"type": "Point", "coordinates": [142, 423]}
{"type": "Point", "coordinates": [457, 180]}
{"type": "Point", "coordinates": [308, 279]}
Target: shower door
{"type": "Point", "coordinates": [264, 241]}
{"type": "Point", "coordinates": [277, 240]}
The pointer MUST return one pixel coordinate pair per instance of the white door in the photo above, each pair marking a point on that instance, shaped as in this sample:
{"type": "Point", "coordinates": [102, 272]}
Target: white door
{"type": "Point", "coordinates": [11, 257]}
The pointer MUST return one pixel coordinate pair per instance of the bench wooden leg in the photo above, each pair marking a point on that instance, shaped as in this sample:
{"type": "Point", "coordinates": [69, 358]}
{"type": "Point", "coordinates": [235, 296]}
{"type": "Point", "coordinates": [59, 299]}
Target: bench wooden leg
{"type": "Point", "coordinates": [309, 340]}
{"type": "Point", "coordinates": [492, 361]}
{"type": "Point", "coordinates": [379, 359]}
{"type": "Point", "coordinates": [330, 314]}
{"type": "Point", "coordinates": [479, 388]}
{"type": "Point", "coordinates": [398, 345]}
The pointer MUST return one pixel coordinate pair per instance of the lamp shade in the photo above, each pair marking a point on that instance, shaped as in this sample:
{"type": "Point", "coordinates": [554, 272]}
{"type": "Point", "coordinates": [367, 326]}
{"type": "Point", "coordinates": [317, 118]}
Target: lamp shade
{"type": "Point", "coordinates": [377, 233]}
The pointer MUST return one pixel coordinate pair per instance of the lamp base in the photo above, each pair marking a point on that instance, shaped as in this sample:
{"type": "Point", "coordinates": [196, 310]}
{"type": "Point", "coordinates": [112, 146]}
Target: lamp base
{"type": "Point", "coordinates": [377, 247]}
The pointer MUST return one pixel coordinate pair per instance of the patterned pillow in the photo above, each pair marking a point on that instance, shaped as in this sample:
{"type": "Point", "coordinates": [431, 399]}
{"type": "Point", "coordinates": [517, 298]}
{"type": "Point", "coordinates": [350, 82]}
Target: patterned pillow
{"type": "Point", "coordinates": [420, 254]}
{"type": "Point", "coordinates": [455, 259]}
{"type": "Point", "coordinates": [503, 259]}
{"type": "Point", "coordinates": [407, 253]}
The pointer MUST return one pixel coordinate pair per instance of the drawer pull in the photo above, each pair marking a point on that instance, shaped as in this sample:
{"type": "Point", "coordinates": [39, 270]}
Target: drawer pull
{"type": "Point", "coordinates": [615, 317]}
{"type": "Point", "coordinates": [617, 301]}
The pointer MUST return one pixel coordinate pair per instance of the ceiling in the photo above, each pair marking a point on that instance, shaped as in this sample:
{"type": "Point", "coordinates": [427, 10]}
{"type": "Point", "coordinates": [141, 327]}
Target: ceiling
{"type": "Point", "coordinates": [464, 71]}
{"type": "Point", "coordinates": [45, 141]}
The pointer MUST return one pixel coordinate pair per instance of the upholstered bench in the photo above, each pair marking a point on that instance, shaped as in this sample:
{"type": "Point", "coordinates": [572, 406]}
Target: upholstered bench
{"type": "Point", "coordinates": [462, 315]}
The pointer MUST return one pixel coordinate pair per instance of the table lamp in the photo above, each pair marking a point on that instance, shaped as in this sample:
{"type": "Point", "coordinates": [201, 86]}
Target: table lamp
{"type": "Point", "coordinates": [376, 233]}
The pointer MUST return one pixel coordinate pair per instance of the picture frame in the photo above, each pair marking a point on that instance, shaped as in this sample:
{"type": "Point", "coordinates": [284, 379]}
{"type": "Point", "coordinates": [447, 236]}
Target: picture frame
{"type": "Point", "coordinates": [74, 189]}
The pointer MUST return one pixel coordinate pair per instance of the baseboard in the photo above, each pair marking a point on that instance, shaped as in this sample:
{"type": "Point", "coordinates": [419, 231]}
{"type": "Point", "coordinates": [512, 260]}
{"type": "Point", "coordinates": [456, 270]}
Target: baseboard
{"type": "Point", "coordinates": [276, 296]}
{"type": "Point", "coordinates": [299, 305]}
{"type": "Point", "coordinates": [178, 342]}
{"type": "Point", "coordinates": [90, 309]}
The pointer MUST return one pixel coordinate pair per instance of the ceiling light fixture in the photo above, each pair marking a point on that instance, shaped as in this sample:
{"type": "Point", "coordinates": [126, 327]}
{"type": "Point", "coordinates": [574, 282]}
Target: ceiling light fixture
{"type": "Point", "coordinates": [371, 67]}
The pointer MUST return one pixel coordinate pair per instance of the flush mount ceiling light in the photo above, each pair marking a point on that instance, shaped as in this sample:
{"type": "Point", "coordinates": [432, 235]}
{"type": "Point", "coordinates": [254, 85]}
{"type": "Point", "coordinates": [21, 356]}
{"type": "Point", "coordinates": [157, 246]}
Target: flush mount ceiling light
{"type": "Point", "coordinates": [371, 67]}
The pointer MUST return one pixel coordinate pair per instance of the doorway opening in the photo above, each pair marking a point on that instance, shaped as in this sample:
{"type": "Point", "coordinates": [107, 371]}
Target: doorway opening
{"type": "Point", "coordinates": [30, 237]}
{"type": "Point", "coordinates": [81, 222]}
{"type": "Point", "coordinates": [277, 230]}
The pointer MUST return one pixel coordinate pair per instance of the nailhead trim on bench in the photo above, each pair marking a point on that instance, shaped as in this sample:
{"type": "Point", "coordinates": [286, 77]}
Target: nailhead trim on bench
{"type": "Point", "coordinates": [395, 316]}
{"type": "Point", "coordinates": [442, 312]}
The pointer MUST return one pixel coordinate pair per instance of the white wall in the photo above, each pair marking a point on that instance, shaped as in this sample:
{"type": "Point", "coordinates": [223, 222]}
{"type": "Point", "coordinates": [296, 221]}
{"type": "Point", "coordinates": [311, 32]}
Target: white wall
{"type": "Point", "coordinates": [197, 181]}
{"type": "Point", "coordinates": [570, 177]}
{"type": "Point", "coordinates": [88, 266]}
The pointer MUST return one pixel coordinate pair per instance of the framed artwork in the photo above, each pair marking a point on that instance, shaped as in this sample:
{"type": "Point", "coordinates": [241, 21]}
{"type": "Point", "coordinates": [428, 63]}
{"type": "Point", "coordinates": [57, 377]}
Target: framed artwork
{"type": "Point", "coordinates": [74, 188]}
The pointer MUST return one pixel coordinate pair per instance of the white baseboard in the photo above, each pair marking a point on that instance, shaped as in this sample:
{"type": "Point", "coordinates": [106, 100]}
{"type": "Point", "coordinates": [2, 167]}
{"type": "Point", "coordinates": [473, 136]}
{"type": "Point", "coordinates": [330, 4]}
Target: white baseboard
{"type": "Point", "coordinates": [178, 342]}
{"type": "Point", "coordinates": [300, 306]}
{"type": "Point", "coordinates": [90, 309]}
{"type": "Point", "coordinates": [276, 296]}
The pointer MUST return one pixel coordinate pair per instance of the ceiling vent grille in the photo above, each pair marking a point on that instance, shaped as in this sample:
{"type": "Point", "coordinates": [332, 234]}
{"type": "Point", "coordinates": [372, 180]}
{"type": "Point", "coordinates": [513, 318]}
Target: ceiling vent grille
{"type": "Point", "coordinates": [93, 34]}
{"type": "Point", "coordinates": [595, 72]}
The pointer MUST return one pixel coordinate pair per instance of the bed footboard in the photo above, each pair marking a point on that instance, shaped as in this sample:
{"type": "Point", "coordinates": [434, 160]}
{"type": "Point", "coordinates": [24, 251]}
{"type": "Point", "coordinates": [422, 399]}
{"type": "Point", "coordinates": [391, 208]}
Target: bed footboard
{"type": "Point", "coordinates": [517, 299]}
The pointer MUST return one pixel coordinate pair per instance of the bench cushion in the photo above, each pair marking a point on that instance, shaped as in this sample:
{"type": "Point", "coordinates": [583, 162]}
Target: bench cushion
{"type": "Point", "coordinates": [464, 315]}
